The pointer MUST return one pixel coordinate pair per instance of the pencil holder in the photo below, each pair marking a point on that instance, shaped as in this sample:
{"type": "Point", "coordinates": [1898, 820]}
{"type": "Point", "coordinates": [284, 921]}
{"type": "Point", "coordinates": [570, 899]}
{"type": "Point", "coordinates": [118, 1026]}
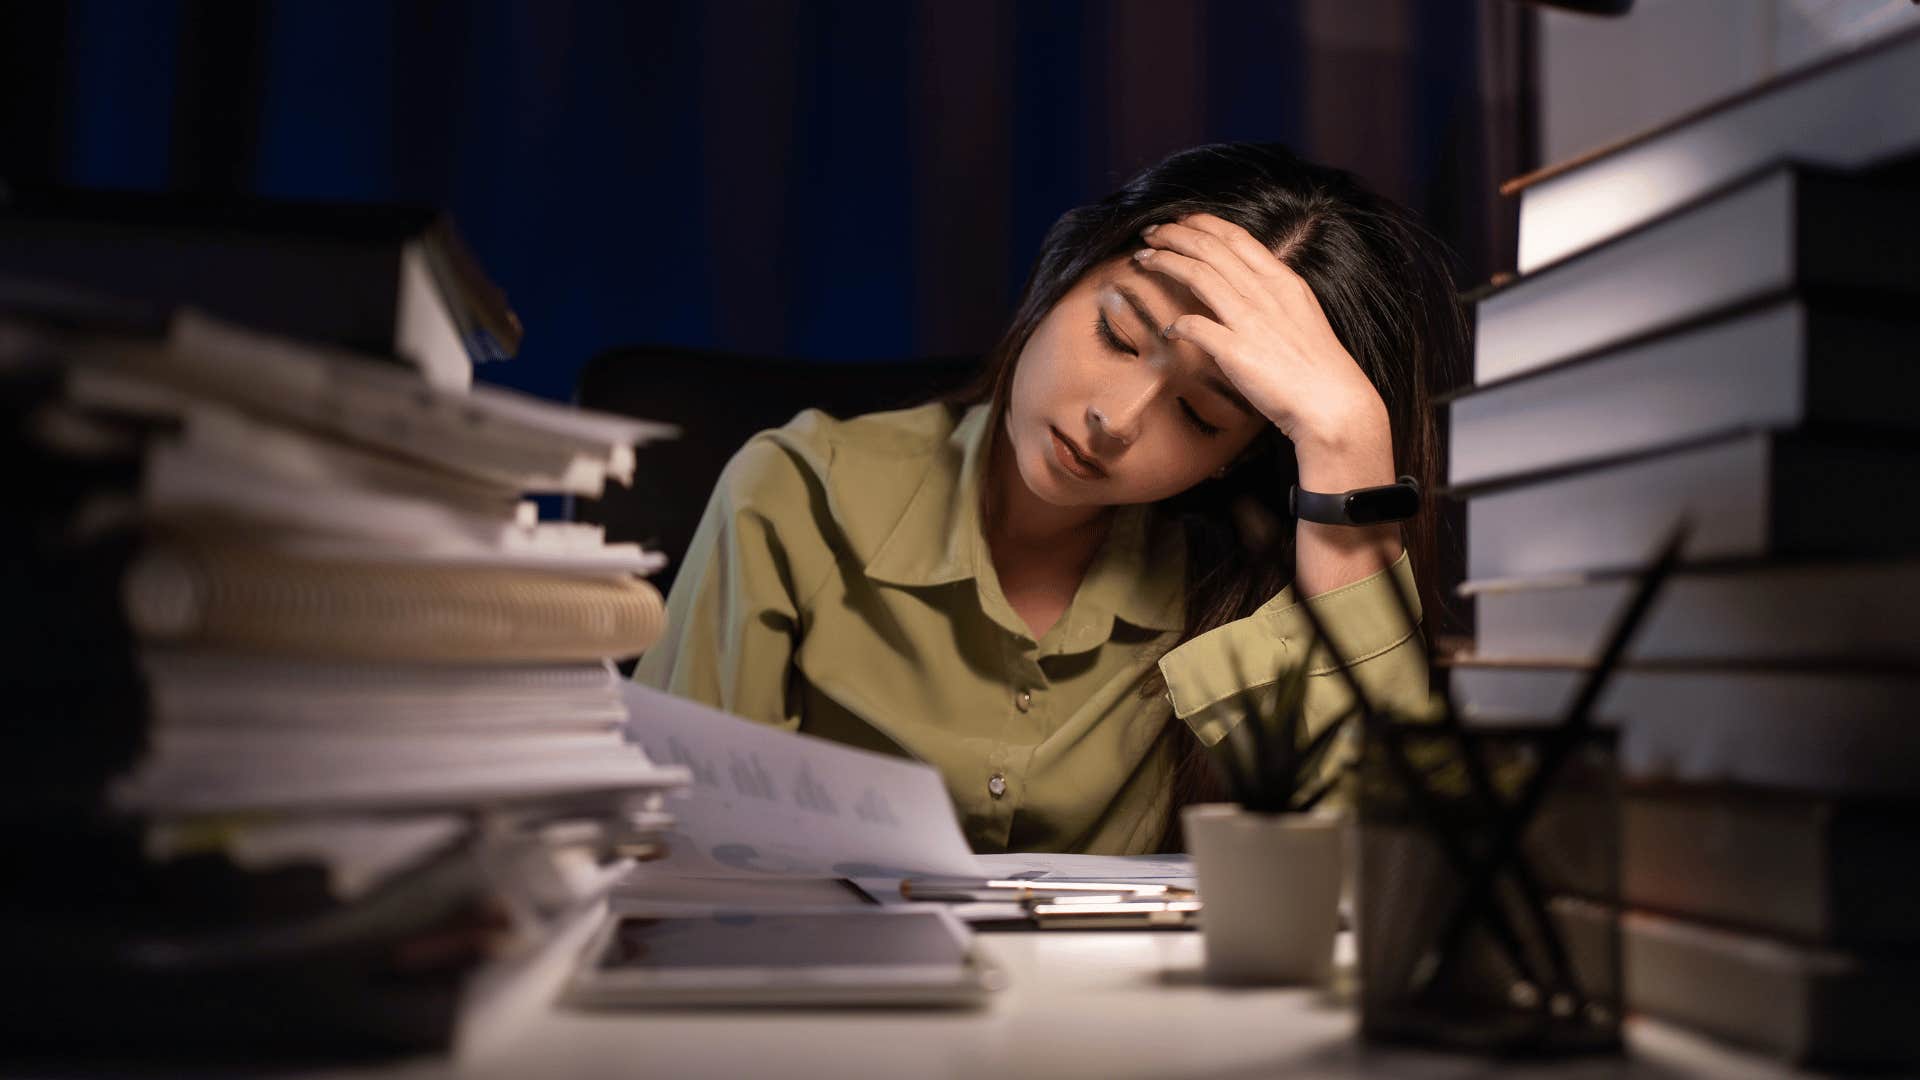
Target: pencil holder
{"type": "Point", "coordinates": [1485, 924]}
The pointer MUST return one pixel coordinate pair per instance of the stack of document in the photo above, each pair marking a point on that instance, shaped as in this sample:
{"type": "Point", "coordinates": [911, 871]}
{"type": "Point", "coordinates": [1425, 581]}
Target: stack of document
{"type": "Point", "coordinates": [780, 821]}
{"type": "Point", "coordinates": [320, 739]}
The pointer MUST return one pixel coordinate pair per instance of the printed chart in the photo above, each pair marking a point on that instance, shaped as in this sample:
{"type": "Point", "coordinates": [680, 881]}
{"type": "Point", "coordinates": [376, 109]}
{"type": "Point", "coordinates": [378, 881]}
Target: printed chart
{"type": "Point", "coordinates": [770, 802]}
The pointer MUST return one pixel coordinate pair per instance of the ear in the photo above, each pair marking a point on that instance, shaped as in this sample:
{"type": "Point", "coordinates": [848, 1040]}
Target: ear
{"type": "Point", "coordinates": [1238, 460]}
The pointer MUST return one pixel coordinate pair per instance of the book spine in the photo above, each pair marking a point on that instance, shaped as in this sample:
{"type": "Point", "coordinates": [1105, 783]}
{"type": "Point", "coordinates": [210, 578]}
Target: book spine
{"type": "Point", "coordinates": [1805, 867]}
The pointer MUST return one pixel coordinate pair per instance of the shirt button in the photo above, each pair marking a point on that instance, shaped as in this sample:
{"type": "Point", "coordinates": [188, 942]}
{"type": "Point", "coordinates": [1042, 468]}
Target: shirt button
{"type": "Point", "coordinates": [1023, 700]}
{"type": "Point", "coordinates": [996, 785]}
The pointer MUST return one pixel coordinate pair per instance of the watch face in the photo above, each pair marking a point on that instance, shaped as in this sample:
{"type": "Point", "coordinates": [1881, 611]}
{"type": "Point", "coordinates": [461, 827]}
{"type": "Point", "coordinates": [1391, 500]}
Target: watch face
{"type": "Point", "coordinates": [1395, 502]}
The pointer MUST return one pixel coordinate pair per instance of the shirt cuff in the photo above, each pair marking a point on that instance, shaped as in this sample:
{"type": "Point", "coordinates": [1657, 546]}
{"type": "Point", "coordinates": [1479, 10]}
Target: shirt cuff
{"type": "Point", "coordinates": [1364, 617]}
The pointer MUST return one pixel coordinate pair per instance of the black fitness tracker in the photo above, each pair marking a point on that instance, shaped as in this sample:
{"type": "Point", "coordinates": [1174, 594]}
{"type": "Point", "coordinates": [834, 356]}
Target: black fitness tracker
{"type": "Point", "coordinates": [1397, 501]}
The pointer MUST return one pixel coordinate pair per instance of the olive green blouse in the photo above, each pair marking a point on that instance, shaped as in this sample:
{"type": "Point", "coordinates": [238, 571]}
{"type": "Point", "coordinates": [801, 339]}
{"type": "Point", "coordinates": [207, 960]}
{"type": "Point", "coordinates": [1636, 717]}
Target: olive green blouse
{"type": "Point", "coordinates": [839, 584]}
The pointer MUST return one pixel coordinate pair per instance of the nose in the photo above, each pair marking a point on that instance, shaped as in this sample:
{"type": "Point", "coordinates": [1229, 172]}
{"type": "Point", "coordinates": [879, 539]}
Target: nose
{"type": "Point", "coordinates": [1118, 413]}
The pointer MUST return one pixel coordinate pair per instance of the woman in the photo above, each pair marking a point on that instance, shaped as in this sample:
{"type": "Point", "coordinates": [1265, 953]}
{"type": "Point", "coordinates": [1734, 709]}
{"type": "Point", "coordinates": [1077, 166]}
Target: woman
{"type": "Point", "coordinates": [1041, 588]}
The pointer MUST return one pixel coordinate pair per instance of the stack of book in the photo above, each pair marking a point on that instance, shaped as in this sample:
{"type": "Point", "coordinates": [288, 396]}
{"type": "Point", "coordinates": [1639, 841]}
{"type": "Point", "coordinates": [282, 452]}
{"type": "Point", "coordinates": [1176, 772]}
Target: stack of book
{"type": "Point", "coordinates": [383, 279]}
{"type": "Point", "coordinates": [317, 741]}
{"type": "Point", "coordinates": [1715, 322]}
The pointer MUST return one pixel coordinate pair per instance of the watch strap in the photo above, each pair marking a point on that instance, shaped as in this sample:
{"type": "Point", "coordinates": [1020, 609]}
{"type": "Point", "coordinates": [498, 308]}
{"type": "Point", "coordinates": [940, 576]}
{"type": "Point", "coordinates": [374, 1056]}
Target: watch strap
{"type": "Point", "coordinates": [1361, 506]}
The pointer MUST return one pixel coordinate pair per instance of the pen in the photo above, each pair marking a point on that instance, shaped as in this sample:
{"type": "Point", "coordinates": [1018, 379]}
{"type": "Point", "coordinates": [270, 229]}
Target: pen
{"type": "Point", "coordinates": [1134, 915]}
{"type": "Point", "coordinates": [1011, 896]}
{"type": "Point", "coordinates": [1014, 889]}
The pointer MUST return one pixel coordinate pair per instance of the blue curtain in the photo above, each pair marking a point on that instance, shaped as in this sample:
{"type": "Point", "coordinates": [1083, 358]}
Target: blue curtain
{"type": "Point", "coordinates": [857, 180]}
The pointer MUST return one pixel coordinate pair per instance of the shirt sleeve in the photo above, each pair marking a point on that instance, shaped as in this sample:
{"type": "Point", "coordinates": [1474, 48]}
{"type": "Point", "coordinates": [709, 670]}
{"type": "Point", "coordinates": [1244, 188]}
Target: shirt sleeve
{"type": "Point", "coordinates": [733, 615]}
{"type": "Point", "coordinates": [1215, 677]}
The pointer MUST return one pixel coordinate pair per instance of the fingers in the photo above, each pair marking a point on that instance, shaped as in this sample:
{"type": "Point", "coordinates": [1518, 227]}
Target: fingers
{"type": "Point", "coordinates": [1204, 247]}
{"type": "Point", "coordinates": [1256, 273]}
{"type": "Point", "coordinates": [1251, 253]}
{"type": "Point", "coordinates": [1280, 279]}
{"type": "Point", "coordinates": [1213, 339]}
{"type": "Point", "coordinates": [1204, 279]}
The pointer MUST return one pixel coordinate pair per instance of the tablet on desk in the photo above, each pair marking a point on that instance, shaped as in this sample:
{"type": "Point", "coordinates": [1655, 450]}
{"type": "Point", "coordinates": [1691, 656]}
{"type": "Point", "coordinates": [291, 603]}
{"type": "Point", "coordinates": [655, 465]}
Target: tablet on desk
{"type": "Point", "coordinates": [883, 956]}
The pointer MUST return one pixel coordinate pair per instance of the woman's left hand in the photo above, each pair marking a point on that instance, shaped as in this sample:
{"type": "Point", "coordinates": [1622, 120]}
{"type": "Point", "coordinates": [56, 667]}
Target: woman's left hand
{"type": "Point", "coordinates": [1268, 334]}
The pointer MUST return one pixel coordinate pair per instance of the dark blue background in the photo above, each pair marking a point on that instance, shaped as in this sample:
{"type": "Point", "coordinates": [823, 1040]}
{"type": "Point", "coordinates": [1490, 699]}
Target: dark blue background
{"type": "Point", "coordinates": [832, 179]}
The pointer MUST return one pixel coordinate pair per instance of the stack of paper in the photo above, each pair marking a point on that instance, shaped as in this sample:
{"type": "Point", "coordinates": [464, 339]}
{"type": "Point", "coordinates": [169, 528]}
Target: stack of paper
{"type": "Point", "coordinates": [305, 685]}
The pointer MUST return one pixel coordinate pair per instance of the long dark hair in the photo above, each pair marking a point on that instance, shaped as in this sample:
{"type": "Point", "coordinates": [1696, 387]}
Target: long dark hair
{"type": "Point", "coordinates": [1385, 287]}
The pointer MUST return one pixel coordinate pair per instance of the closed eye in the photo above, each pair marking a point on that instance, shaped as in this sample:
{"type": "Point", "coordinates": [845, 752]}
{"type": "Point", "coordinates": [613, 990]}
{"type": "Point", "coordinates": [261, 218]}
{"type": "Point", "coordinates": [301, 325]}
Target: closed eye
{"type": "Point", "coordinates": [1209, 430]}
{"type": "Point", "coordinates": [1105, 330]}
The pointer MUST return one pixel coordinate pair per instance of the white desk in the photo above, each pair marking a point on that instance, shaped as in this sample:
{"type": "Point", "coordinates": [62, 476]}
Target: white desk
{"type": "Point", "coordinates": [1080, 1004]}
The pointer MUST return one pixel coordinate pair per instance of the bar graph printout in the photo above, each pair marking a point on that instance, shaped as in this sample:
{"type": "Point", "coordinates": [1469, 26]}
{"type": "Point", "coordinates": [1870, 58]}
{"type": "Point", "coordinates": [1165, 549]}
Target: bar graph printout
{"type": "Point", "coordinates": [766, 802]}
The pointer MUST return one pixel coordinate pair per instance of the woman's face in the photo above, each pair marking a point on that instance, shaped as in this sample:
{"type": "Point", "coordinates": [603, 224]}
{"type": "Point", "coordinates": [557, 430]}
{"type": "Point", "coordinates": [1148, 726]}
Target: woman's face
{"type": "Point", "coordinates": [1105, 411]}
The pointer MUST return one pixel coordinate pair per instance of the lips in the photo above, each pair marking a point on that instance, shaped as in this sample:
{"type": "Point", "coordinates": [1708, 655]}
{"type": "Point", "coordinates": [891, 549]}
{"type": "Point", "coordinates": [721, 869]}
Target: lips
{"type": "Point", "coordinates": [1073, 460]}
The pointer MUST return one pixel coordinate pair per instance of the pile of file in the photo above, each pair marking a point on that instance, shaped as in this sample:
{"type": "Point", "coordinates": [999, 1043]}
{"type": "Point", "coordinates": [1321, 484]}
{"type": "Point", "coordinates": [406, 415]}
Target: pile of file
{"type": "Point", "coordinates": [1715, 322]}
{"type": "Point", "coordinates": [315, 734]}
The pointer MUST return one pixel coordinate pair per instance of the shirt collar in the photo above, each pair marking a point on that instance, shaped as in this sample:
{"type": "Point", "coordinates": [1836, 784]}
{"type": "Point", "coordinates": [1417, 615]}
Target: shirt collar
{"type": "Point", "coordinates": [933, 541]}
{"type": "Point", "coordinates": [1138, 576]}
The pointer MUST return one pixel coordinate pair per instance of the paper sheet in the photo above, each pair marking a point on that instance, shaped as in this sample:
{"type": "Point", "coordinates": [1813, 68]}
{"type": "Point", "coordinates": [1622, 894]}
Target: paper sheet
{"type": "Point", "coordinates": [766, 802]}
{"type": "Point", "coordinates": [650, 890]}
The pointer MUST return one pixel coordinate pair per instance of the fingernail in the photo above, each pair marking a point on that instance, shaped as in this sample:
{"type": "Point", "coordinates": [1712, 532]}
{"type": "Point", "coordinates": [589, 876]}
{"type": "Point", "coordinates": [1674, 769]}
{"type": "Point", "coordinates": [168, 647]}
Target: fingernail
{"type": "Point", "coordinates": [1142, 254]}
{"type": "Point", "coordinates": [1148, 231]}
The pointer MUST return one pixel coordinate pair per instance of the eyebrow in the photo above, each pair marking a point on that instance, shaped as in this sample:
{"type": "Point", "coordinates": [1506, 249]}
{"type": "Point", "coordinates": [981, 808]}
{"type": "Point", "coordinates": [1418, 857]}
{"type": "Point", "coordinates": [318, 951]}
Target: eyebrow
{"type": "Point", "coordinates": [1211, 376]}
